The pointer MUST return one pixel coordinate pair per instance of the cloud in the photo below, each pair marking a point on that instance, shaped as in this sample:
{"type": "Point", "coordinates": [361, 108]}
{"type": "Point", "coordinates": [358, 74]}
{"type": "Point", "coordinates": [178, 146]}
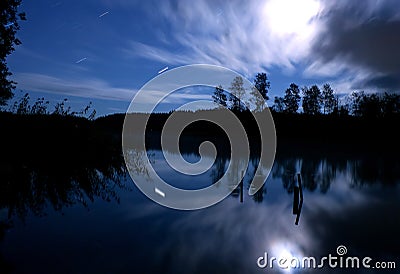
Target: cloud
{"type": "Point", "coordinates": [245, 36]}
{"type": "Point", "coordinates": [324, 39]}
{"type": "Point", "coordinates": [358, 38]}
{"type": "Point", "coordinates": [99, 89]}
{"type": "Point", "coordinates": [88, 88]}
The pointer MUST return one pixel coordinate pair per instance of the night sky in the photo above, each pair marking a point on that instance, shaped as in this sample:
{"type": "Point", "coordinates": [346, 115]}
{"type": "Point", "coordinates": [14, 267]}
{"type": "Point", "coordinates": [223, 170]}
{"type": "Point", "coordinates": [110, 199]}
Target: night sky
{"type": "Point", "coordinates": [105, 50]}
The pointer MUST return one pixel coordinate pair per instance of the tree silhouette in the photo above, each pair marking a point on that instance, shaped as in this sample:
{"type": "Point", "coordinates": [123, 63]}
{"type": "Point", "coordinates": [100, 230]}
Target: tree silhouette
{"type": "Point", "coordinates": [257, 99]}
{"type": "Point", "coordinates": [237, 93]}
{"type": "Point", "coordinates": [367, 105]}
{"type": "Point", "coordinates": [371, 106]}
{"type": "Point", "coordinates": [40, 107]}
{"type": "Point", "coordinates": [219, 96]}
{"type": "Point", "coordinates": [328, 99]}
{"type": "Point", "coordinates": [279, 105]}
{"type": "Point", "coordinates": [262, 84]}
{"type": "Point", "coordinates": [356, 99]}
{"type": "Point", "coordinates": [312, 100]}
{"type": "Point", "coordinates": [390, 104]}
{"type": "Point", "coordinates": [292, 98]}
{"type": "Point", "coordinates": [343, 111]}
{"type": "Point", "coordinates": [8, 29]}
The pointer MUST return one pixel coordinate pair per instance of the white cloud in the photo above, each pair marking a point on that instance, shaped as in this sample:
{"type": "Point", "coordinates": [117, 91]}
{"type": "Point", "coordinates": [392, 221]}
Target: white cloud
{"type": "Point", "coordinates": [254, 36]}
{"type": "Point", "coordinates": [95, 88]}
{"type": "Point", "coordinates": [245, 36]}
{"type": "Point", "coordinates": [329, 69]}
{"type": "Point", "coordinates": [88, 88]}
{"type": "Point", "coordinates": [354, 81]}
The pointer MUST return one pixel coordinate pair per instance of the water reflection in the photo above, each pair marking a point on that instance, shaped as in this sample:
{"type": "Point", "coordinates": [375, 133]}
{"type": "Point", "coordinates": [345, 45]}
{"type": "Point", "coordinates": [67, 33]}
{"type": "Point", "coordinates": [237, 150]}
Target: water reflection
{"type": "Point", "coordinates": [319, 173]}
{"type": "Point", "coordinates": [334, 213]}
{"type": "Point", "coordinates": [33, 185]}
{"type": "Point", "coordinates": [351, 201]}
{"type": "Point", "coordinates": [297, 198]}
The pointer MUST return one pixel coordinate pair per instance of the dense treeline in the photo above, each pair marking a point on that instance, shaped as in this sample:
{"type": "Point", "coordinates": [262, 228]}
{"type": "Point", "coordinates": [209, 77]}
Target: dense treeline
{"type": "Point", "coordinates": [315, 102]}
{"type": "Point", "coordinates": [322, 131]}
{"type": "Point", "coordinates": [310, 115]}
{"type": "Point", "coordinates": [312, 100]}
{"type": "Point", "coordinates": [316, 115]}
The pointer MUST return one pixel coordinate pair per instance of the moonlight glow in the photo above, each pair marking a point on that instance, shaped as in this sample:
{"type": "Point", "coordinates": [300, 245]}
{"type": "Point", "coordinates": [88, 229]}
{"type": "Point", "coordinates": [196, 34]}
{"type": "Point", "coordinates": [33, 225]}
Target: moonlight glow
{"type": "Point", "coordinates": [290, 16]}
{"type": "Point", "coordinates": [285, 250]}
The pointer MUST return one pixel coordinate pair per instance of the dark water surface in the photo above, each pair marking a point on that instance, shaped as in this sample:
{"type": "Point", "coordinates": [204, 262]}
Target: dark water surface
{"type": "Point", "coordinates": [95, 220]}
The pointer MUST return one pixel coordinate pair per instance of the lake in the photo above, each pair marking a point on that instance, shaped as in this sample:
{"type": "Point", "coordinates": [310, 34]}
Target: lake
{"type": "Point", "coordinates": [93, 218]}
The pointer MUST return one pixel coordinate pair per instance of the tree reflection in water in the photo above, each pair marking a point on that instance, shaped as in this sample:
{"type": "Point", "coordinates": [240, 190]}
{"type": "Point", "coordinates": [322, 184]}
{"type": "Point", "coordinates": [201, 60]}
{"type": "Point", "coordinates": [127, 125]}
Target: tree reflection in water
{"type": "Point", "coordinates": [46, 178]}
{"type": "Point", "coordinates": [318, 173]}
{"type": "Point", "coordinates": [64, 162]}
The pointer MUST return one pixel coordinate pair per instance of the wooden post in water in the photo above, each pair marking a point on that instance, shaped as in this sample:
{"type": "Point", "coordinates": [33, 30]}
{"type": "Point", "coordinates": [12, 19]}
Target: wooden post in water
{"type": "Point", "coordinates": [241, 188]}
{"type": "Point", "coordinates": [295, 198]}
{"type": "Point", "coordinates": [300, 187]}
{"type": "Point", "coordinates": [301, 199]}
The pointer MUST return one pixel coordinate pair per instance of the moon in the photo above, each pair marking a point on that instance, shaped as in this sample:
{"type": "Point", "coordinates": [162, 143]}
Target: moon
{"type": "Point", "coordinates": [288, 17]}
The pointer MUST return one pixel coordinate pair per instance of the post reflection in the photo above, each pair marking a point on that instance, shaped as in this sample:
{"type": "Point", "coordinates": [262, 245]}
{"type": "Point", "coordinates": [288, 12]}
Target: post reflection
{"type": "Point", "coordinates": [314, 174]}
